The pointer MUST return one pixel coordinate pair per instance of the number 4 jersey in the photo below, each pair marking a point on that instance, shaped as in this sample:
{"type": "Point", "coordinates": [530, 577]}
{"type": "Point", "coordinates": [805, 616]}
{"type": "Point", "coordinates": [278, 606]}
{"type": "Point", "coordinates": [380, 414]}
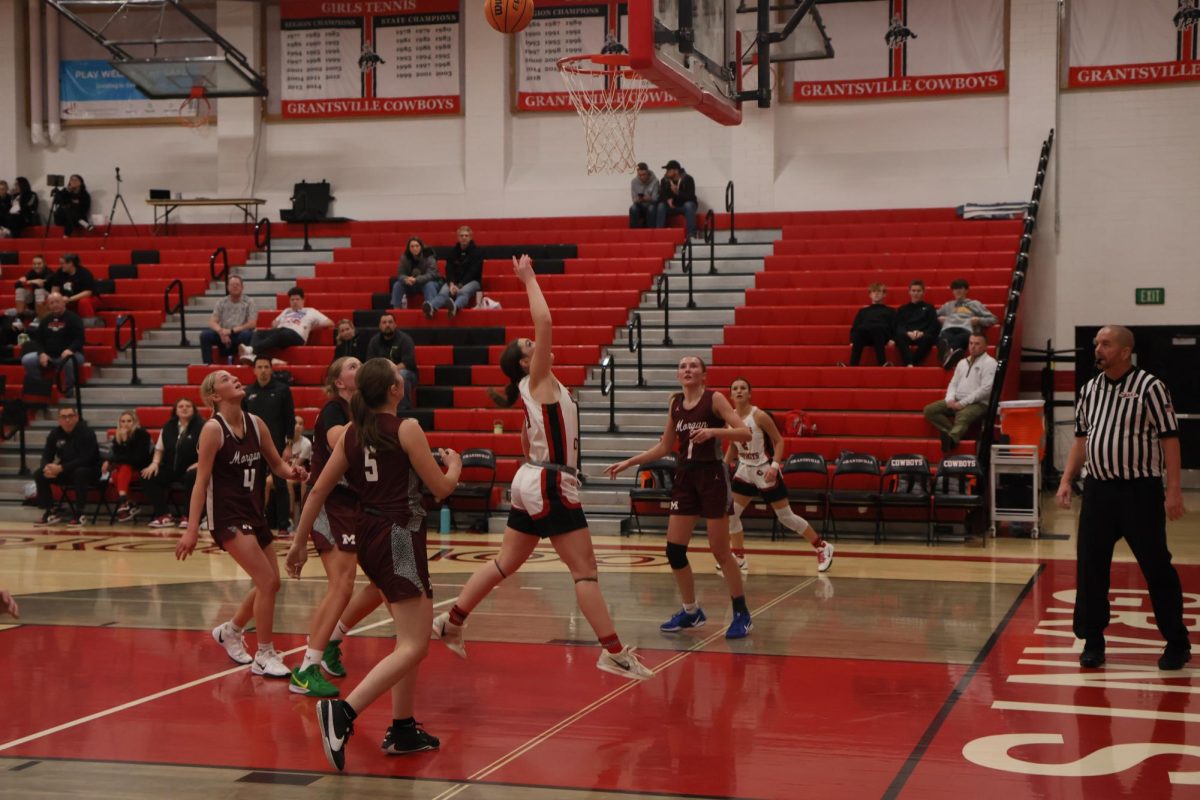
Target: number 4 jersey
{"type": "Point", "coordinates": [239, 477]}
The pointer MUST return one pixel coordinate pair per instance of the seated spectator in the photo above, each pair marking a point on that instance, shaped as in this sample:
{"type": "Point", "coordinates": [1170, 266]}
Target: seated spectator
{"type": "Point", "coordinates": [676, 195]}
{"type": "Point", "coordinates": [174, 461]}
{"type": "Point", "coordinates": [27, 204]}
{"type": "Point", "coordinates": [643, 191]}
{"type": "Point", "coordinates": [58, 339]}
{"type": "Point", "coordinates": [302, 452]}
{"type": "Point", "coordinates": [464, 276]}
{"type": "Point", "coordinates": [231, 325]}
{"type": "Point", "coordinates": [71, 458]}
{"type": "Point", "coordinates": [77, 284]}
{"type": "Point", "coordinates": [959, 317]}
{"type": "Point", "coordinates": [916, 326]}
{"type": "Point", "coordinates": [348, 342]}
{"type": "Point", "coordinates": [417, 274]}
{"type": "Point", "coordinates": [31, 289]}
{"type": "Point", "coordinates": [874, 325]}
{"type": "Point", "coordinates": [73, 206]}
{"type": "Point", "coordinates": [130, 454]}
{"type": "Point", "coordinates": [290, 329]}
{"type": "Point", "coordinates": [966, 396]}
{"type": "Point", "coordinates": [10, 220]}
{"type": "Point", "coordinates": [399, 348]}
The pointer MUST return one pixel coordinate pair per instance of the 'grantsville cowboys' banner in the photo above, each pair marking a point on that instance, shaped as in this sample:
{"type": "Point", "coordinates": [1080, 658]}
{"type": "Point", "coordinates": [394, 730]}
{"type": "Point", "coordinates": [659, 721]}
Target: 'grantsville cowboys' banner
{"type": "Point", "coordinates": [1115, 42]}
{"type": "Point", "coordinates": [907, 48]}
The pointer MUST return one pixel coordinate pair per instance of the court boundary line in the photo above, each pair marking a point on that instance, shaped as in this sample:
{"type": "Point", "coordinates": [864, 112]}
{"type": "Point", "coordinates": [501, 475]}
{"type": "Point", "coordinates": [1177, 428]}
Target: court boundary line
{"type": "Point", "coordinates": [546, 735]}
{"type": "Point", "coordinates": [168, 692]}
{"type": "Point", "coordinates": [960, 688]}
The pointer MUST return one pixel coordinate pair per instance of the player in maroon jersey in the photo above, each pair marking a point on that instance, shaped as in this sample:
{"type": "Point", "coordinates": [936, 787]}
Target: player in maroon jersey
{"type": "Point", "coordinates": [230, 476]}
{"type": "Point", "coordinates": [698, 420]}
{"type": "Point", "coordinates": [387, 462]}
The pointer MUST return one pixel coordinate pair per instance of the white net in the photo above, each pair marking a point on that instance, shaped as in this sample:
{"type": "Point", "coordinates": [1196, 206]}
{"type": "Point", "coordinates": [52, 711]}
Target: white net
{"type": "Point", "coordinates": [608, 96]}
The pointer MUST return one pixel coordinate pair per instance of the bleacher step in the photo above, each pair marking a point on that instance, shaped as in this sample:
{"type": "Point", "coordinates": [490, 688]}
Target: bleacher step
{"type": "Point", "coordinates": [658, 356]}
{"type": "Point", "coordinates": [683, 317]}
{"type": "Point", "coordinates": [296, 245]}
{"type": "Point", "coordinates": [594, 444]}
{"type": "Point", "coordinates": [682, 338]}
{"type": "Point", "coordinates": [289, 258]}
{"type": "Point", "coordinates": [724, 250]}
{"type": "Point", "coordinates": [121, 374]}
{"type": "Point", "coordinates": [722, 281]}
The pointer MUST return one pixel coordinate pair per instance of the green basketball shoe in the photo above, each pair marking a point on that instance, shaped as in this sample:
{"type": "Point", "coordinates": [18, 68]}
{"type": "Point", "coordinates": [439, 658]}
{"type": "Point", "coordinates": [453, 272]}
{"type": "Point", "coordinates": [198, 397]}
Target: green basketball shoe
{"type": "Point", "coordinates": [311, 683]}
{"type": "Point", "coordinates": [331, 660]}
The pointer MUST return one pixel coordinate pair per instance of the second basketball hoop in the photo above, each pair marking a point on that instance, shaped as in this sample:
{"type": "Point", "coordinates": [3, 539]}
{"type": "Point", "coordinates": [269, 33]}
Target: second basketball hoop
{"type": "Point", "coordinates": [609, 95]}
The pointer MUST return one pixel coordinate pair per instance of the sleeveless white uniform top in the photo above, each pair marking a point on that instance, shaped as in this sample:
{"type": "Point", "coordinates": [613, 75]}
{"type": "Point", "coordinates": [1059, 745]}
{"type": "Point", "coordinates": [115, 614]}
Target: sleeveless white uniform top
{"type": "Point", "coordinates": [752, 453]}
{"type": "Point", "coordinates": [552, 430]}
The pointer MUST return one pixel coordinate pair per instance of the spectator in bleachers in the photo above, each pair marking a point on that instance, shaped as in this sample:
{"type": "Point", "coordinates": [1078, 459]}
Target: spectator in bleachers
{"type": "Point", "coordinates": [174, 461]}
{"type": "Point", "coordinates": [10, 220]}
{"type": "Point", "coordinates": [464, 275]}
{"type": "Point", "coordinates": [57, 340]}
{"type": "Point", "coordinates": [417, 274]}
{"type": "Point", "coordinates": [917, 326]}
{"type": "Point", "coordinates": [643, 191]}
{"type": "Point", "coordinates": [31, 289]}
{"type": "Point", "coordinates": [27, 204]}
{"type": "Point", "coordinates": [302, 452]}
{"type": "Point", "coordinates": [77, 284]}
{"type": "Point", "coordinates": [289, 329]}
{"type": "Point", "coordinates": [874, 325]}
{"type": "Point", "coordinates": [271, 400]}
{"type": "Point", "coordinates": [676, 195]}
{"type": "Point", "coordinates": [73, 206]}
{"type": "Point", "coordinates": [348, 343]}
{"type": "Point", "coordinates": [399, 348]}
{"type": "Point", "coordinates": [959, 317]}
{"type": "Point", "coordinates": [966, 396]}
{"type": "Point", "coordinates": [129, 453]}
{"type": "Point", "coordinates": [71, 458]}
{"type": "Point", "coordinates": [231, 325]}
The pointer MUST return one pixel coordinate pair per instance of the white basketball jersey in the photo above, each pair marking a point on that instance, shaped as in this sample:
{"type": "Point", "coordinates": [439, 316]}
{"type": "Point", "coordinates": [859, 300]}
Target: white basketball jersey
{"type": "Point", "coordinates": [553, 429]}
{"type": "Point", "coordinates": [752, 453]}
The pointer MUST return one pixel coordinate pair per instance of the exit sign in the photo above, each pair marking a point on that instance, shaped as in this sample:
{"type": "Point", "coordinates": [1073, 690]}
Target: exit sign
{"type": "Point", "coordinates": [1150, 297]}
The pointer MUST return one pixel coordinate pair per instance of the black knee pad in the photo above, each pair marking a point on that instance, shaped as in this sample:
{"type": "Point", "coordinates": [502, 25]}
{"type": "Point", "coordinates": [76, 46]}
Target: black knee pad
{"type": "Point", "coordinates": [677, 555]}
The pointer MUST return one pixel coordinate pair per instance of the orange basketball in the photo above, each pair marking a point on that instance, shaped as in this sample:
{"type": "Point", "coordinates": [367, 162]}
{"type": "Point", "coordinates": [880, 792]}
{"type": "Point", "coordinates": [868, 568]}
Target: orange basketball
{"type": "Point", "coordinates": [508, 16]}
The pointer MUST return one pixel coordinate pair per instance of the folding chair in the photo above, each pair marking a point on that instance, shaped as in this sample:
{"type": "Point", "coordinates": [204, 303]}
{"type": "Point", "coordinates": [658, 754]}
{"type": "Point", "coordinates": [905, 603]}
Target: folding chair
{"type": "Point", "coordinates": [855, 483]}
{"type": "Point", "coordinates": [477, 482]}
{"type": "Point", "coordinates": [808, 483]}
{"type": "Point", "coordinates": [958, 485]}
{"type": "Point", "coordinates": [655, 481]}
{"type": "Point", "coordinates": [905, 484]}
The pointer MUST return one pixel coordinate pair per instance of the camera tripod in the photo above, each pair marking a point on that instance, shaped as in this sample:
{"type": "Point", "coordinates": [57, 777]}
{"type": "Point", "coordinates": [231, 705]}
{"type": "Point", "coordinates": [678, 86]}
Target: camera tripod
{"type": "Point", "coordinates": [113, 212]}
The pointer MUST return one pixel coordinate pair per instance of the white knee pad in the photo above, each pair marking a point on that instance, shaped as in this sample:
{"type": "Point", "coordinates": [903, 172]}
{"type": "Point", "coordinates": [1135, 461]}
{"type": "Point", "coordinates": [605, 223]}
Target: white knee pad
{"type": "Point", "coordinates": [735, 519]}
{"type": "Point", "coordinates": [791, 519]}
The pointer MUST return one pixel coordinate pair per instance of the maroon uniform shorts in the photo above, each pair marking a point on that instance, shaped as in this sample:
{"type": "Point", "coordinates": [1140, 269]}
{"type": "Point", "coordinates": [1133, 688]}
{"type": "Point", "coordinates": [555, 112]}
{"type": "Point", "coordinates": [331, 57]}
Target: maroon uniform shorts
{"type": "Point", "coordinates": [334, 527]}
{"type": "Point", "coordinates": [226, 534]}
{"type": "Point", "coordinates": [393, 556]}
{"type": "Point", "coordinates": [701, 489]}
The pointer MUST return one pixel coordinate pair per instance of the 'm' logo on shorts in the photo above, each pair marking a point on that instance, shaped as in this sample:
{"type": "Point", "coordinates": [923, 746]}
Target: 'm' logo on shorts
{"type": "Point", "coordinates": [347, 538]}
{"type": "Point", "coordinates": [674, 505]}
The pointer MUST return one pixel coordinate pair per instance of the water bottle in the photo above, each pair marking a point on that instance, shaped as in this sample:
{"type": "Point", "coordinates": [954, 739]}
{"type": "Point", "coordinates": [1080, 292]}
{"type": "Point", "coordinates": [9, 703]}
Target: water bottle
{"type": "Point", "coordinates": [444, 520]}
{"type": "Point", "coordinates": [404, 301]}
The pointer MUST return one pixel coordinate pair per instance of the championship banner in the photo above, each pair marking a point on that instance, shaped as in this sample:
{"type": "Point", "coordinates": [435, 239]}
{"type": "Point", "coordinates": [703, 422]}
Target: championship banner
{"type": "Point", "coordinates": [94, 89]}
{"type": "Point", "coordinates": [907, 48]}
{"type": "Point", "coordinates": [372, 58]}
{"type": "Point", "coordinates": [563, 28]}
{"type": "Point", "coordinates": [1118, 43]}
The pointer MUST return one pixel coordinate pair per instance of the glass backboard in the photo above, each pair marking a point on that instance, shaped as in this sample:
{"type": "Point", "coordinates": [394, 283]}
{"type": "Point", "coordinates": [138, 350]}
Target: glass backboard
{"type": "Point", "coordinates": [170, 79]}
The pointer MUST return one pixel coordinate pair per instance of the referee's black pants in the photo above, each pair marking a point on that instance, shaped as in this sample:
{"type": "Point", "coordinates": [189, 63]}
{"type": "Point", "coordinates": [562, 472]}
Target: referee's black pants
{"type": "Point", "coordinates": [1132, 509]}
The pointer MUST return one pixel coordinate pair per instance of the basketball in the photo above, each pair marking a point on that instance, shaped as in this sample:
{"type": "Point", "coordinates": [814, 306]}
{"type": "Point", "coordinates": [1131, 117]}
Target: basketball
{"type": "Point", "coordinates": [508, 16]}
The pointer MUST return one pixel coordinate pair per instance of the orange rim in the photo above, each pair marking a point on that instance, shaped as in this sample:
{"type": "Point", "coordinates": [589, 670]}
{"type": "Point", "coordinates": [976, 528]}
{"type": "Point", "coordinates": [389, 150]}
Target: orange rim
{"type": "Point", "coordinates": [601, 65]}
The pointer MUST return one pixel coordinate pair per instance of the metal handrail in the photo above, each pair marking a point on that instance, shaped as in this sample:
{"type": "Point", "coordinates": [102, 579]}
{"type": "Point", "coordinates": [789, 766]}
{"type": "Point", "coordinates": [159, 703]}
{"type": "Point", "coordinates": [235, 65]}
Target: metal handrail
{"type": "Point", "coordinates": [686, 263]}
{"type": "Point", "coordinates": [58, 382]}
{"type": "Point", "coordinates": [264, 224]}
{"type": "Point", "coordinates": [223, 274]}
{"type": "Point", "coordinates": [662, 296]}
{"type": "Point", "coordinates": [710, 237]}
{"type": "Point", "coordinates": [729, 210]}
{"type": "Point", "coordinates": [131, 345]}
{"type": "Point", "coordinates": [168, 309]}
{"type": "Point", "coordinates": [635, 343]}
{"type": "Point", "coordinates": [608, 388]}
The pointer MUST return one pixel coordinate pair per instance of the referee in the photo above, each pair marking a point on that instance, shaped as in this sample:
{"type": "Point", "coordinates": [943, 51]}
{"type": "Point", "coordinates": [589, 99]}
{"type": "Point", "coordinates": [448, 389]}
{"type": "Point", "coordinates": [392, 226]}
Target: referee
{"type": "Point", "coordinates": [1125, 431]}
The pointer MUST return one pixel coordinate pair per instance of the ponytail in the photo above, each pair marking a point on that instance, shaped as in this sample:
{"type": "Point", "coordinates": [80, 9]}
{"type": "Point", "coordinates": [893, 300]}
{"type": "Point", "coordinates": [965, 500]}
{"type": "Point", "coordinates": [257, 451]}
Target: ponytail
{"type": "Point", "coordinates": [374, 379]}
{"type": "Point", "coordinates": [510, 365]}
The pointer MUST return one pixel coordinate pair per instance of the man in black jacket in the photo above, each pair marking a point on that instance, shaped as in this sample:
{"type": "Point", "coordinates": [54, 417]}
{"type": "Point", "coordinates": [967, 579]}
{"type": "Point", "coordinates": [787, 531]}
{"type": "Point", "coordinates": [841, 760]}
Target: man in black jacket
{"type": "Point", "coordinates": [59, 339]}
{"type": "Point", "coordinates": [77, 284]}
{"type": "Point", "coordinates": [676, 195]}
{"type": "Point", "coordinates": [874, 325]}
{"type": "Point", "coordinates": [71, 458]}
{"type": "Point", "coordinates": [271, 400]}
{"type": "Point", "coordinates": [917, 326]}
{"type": "Point", "coordinates": [398, 347]}
{"type": "Point", "coordinates": [464, 274]}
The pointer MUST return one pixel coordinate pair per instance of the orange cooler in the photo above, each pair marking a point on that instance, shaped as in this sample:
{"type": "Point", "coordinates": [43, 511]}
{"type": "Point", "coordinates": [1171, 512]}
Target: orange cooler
{"type": "Point", "coordinates": [1024, 422]}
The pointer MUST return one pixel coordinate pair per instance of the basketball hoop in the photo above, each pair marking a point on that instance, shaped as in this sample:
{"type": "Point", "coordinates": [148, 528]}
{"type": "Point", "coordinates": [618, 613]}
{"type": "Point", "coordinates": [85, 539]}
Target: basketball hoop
{"type": "Point", "coordinates": [196, 111]}
{"type": "Point", "coordinates": [608, 95]}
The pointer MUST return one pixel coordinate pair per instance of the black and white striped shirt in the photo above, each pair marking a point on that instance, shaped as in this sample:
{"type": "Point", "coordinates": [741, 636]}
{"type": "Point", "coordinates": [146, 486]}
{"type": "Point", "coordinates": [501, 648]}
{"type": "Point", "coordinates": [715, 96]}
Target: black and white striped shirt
{"type": "Point", "coordinates": [1123, 421]}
